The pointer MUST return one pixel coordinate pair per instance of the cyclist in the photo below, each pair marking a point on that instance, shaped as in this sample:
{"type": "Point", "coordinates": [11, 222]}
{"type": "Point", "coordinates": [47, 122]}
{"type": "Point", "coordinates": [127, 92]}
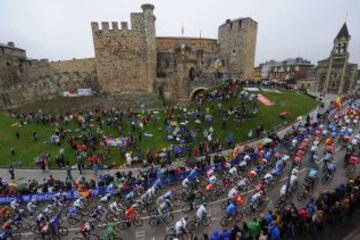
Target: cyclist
{"type": "Point", "coordinates": [331, 168]}
{"type": "Point", "coordinates": [106, 198]}
{"type": "Point", "coordinates": [14, 204]}
{"type": "Point", "coordinates": [213, 179]}
{"type": "Point", "coordinates": [79, 203]}
{"type": "Point", "coordinates": [130, 213]}
{"type": "Point", "coordinates": [150, 193]}
{"type": "Point", "coordinates": [31, 207]}
{"type": "Point", "coordinates": [86, 228]}
{"type": "Point", "coordinates": [233, 192]}
{"type": "Point", "coordinates": [110, 231]}
{"type": "Point", "coordinates": [234, 172]}
{"type": "Point", "coordinates": [268, 177]}
{"type": "Point", "coordinates": [168, 195]}
{"type": "Point", "coordinates": [232, 209]}
{"type": "Point", "coordinates": [186, 183]}
{"type": "Point", "coordinates": [48, 209]}
{"type": "Point", "coordinates": [40, 217]}
{"type": "Point", "coordinates": [116, 207]}
{"type": "Point", "coordinates": [5, 234]}
{"type": "Point", "coordinates": [164, 207]}
{"type": "Point", "coordinates": [55, 222]}
{"type": "Point", "coordinates": [201, 212]}
{"type": "Point", "coordinates": [44, 228]}
{"type": "Point", "coordinates": [257, 198]}
{"type": "Point", "coordinates": [96, 212]}
{"type": "Point", "coordinates": [242, 184]}
{"type": "Point", "coordinates": [180, 226]}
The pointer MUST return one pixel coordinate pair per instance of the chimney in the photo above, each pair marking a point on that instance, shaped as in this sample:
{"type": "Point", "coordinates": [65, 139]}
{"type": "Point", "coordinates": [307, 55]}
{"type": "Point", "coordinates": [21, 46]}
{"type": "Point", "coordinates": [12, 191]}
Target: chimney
{"type": "Point", "coordinates": [11, 44]}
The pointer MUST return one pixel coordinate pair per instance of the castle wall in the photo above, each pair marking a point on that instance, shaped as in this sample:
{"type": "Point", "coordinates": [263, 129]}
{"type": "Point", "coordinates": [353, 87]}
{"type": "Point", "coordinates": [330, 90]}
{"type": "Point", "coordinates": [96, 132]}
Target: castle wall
{"type": "Point", "coordinates": [75, 65]}
{"type": "Point", "coordinates": [126, 58]}
{"type": "Point", "coordinates": [237, 41]}
{"type": "Point", "coordinates": [168, 44]}
{"type": "Point", "coordinates": [44, 88]}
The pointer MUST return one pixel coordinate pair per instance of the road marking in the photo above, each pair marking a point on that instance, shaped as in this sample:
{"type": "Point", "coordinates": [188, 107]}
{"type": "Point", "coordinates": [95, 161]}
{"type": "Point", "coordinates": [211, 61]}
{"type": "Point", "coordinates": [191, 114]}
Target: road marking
{"type": "Point", "coordinates": [140, 234]}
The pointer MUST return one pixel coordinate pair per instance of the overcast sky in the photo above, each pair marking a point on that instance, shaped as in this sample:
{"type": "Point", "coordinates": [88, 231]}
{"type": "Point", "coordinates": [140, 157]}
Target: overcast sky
{"type": "Point", "coordinates": [60, 29]}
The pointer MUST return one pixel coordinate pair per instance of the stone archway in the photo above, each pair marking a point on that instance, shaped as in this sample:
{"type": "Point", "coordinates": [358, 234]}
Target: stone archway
{"type": "Point", "coordinates": [196, 91]}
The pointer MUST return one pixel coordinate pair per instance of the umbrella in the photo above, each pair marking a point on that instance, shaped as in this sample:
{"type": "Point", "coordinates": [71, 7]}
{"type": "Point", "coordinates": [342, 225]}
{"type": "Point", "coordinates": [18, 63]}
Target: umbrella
{"type": "Point", "coordinates": [267, 140]}
{"type": "Point", "coordinates": [284, 114]}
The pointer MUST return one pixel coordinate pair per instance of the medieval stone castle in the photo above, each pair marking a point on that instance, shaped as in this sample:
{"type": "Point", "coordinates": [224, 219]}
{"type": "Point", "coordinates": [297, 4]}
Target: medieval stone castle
{"type": "Point", "coordinates": [134, 63]}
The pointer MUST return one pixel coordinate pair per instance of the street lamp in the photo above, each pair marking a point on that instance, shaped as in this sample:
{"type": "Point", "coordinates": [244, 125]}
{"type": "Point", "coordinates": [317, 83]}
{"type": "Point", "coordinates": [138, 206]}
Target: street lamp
{"type": "Point", "coordinates": [294, 143]}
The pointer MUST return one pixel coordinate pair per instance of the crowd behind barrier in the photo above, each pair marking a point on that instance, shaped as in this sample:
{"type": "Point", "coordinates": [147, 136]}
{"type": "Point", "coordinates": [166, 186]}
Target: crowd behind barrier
{"type": "Point", "coordinates": [166, 179]}
{"type": "Point", "coordinates": [332, 209]}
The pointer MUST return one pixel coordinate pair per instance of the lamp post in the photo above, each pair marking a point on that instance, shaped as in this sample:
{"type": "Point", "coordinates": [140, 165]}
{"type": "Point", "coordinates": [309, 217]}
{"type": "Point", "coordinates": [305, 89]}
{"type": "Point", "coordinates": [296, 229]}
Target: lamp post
{"type": "Point", "coordinates": [294, 147]}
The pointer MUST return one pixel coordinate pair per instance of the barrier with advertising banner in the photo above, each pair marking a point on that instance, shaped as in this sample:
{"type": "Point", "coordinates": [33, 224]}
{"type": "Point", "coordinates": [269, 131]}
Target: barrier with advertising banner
{"type": "Point", "coordinates": [169, 179]}
{"type": "Point", "coordinates": [43, 197]}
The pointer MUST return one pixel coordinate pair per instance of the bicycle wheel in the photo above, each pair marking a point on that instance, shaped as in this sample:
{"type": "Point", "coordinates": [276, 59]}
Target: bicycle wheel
{"type": "Point", "coordinates": [187, 236]}
{"type": "Point", "coordinates": [179, 192]}
{"type": "Point", "coordinates": [224, 222]}
{"type": "Point", "coordinates": [177, 202]}
{"type": "Point", "coordinates": [169, 218]}
{"type": "Point", "coordinates": [278, 203]}
{"type": "Point", "coordinates": [238, 217]}
{"type": "Point", "coordinates": [186, 208]}
{"type": "Point", "coordinates": [198, 195]}
{"type": "Point", "coordinates": [191, 225]}
{"type": "Point", "coordinates": [170, 236]}
{"type": "Point", "coordinates": [206, 221]}
{"type": "Point", "coordinates": [324, 179]}
{"type": "Point", "coordinates": [224, 204]}
{"type": "Point", "coordinates": [34, 228]}
{"type": "Point", "coordinates": [300, 195]}
{"type": "Point", "coordinates": [102, 224]}
{"type": "Point", "coordinates": [213, 196]}
{"type": "Point", "coordinates": [137, 222]}
{"type": "Point", "coordinates": [123, 225]}
{"type": "Point", "coordinates": [63, 231]}
{"type": "Point", "coordinates": [248, 210]}
{"type": "Point", "coordinates": [25, 226]}
{"type": "Point", "coordinates": [94, 236]}
{"type": "Point", "coordinates": [153, 221]}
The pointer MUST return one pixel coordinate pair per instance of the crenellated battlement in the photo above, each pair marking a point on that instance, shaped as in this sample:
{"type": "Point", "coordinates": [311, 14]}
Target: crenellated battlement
{"type": "Point", "coordinates": [109, 26]}
{"type": "Point", "coordinates": [126, 46]}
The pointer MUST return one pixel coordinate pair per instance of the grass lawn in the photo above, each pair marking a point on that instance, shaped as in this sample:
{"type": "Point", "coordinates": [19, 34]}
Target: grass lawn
{"type": "Point", "coordinates": [26, 148]}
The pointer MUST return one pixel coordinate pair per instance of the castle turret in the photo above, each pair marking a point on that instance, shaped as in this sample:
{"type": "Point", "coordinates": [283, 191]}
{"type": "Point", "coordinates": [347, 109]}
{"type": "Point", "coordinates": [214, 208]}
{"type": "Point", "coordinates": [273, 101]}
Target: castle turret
{"type": "Point", "coordinates": [150, 41]}
{"type": "Point", "coordinates": [126, 58]}
{"type": "Point", "coordinates": [237, 40]}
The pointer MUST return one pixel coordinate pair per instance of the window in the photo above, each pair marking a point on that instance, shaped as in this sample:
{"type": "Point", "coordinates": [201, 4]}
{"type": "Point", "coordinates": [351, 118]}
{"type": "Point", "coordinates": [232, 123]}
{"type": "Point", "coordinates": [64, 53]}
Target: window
{"type": "Point", "coordinates": [8, 64]}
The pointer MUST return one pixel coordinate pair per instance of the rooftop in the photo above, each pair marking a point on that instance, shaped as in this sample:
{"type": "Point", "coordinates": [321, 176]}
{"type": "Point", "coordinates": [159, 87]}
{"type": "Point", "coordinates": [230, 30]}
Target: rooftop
{"type": "Point", "coordinates": [343, 32]}
{"type": "Point", "coordinates": [2, 45]}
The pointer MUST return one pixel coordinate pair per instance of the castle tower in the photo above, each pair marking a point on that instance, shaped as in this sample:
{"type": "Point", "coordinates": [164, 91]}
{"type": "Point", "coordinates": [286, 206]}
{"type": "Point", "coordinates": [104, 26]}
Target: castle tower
{"type": "Point", "coordinates": [237, 41]}
{"type": "Point", "coordinates": [126, 58]}
{"type": "Point", "coordinates": [338, 62]}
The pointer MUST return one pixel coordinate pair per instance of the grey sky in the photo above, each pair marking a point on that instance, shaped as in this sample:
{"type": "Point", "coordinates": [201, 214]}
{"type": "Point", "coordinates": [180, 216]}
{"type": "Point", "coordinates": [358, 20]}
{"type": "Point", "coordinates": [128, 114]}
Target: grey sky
{"type": "Point", "coordinates": [60, 29]}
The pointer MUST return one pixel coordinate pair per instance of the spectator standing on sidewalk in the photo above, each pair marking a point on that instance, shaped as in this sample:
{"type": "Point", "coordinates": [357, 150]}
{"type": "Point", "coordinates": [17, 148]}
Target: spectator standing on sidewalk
{"type": "Point", "coordinates": [12, 172]}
